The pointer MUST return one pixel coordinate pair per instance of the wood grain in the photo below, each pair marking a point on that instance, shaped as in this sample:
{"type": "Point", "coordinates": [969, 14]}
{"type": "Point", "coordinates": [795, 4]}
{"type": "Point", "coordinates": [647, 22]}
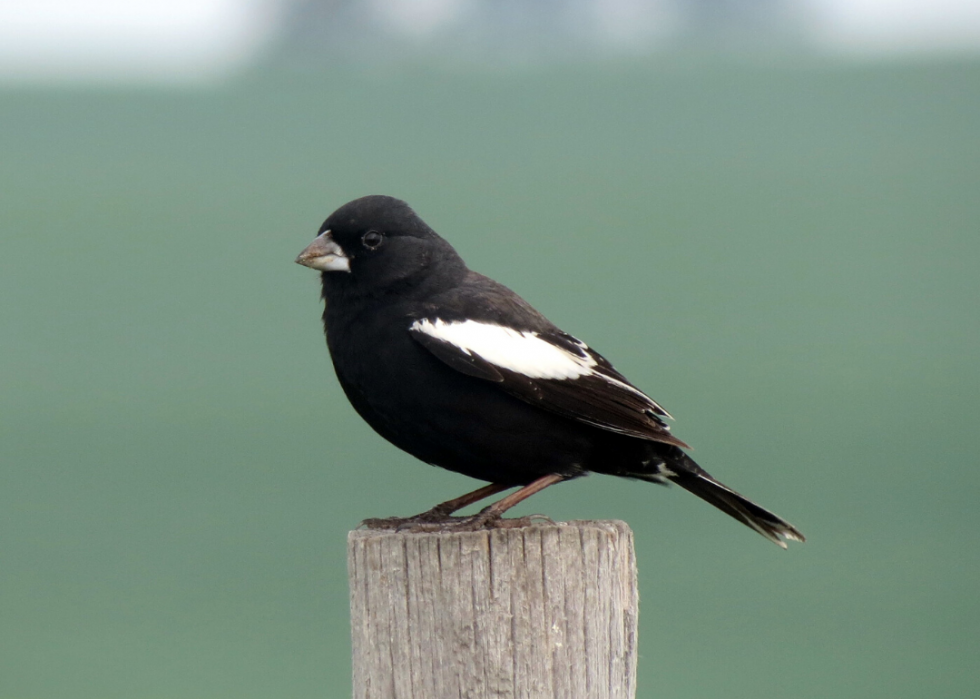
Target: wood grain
{"type": "Point", "coordinates": [546, 611]}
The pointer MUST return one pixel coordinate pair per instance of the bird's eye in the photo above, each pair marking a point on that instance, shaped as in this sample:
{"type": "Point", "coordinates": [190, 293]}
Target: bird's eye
{"type": "Point", "coordinates": [372, 239]}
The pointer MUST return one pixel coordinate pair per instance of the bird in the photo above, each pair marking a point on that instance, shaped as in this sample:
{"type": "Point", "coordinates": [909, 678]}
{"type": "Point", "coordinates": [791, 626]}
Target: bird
{"type": "Point", "coordinates": [462, 373]}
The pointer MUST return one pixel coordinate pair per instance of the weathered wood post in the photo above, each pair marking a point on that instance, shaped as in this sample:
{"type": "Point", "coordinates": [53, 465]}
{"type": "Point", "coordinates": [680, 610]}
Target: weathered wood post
{"type": "Point", "coordinates": [545, 611]}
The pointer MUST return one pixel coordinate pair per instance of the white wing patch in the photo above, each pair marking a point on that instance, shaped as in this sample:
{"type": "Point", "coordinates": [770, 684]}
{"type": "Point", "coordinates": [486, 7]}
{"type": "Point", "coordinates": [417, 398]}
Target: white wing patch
{"type": "Point", "coordinates": [523, 352]}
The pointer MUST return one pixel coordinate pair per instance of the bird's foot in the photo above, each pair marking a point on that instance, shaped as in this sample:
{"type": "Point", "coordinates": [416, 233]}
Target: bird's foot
{"type": "Point", "coordinates": [438, 522]}
{"type": "Point", "coordinates": [399, 524]}
{"type": "Point", "coordinates": [434, 517]}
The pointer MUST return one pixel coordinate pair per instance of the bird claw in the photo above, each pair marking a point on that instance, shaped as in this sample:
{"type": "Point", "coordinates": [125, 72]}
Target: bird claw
{"type": "Point", "coordinates": [430, 520]}
{"type": "Point", "coordinates": [394, 523]}
{"type": "Point", "coordinates": [427, 522]}
{"type": "Point", "coordinates": [421, 524]}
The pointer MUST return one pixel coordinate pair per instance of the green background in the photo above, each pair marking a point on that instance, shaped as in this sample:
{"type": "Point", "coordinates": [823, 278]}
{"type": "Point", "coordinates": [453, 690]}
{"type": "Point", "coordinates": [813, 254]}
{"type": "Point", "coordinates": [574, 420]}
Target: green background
{"type": "Point", "coordinates": [785, 257]}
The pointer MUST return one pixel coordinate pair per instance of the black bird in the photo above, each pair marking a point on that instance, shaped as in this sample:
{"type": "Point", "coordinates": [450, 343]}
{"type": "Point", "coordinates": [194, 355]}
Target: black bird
{"type": "Point", "coordinates": [463, 373]}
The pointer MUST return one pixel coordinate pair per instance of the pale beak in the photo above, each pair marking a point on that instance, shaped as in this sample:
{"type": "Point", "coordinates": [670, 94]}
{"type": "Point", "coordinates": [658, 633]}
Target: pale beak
{"type": "Point", "coordinates": [325, 255]}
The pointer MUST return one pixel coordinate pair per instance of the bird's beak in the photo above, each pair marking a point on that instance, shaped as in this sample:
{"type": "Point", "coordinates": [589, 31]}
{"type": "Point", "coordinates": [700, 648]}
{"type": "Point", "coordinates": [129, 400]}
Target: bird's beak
{"type": "Point", "coordinates": [325, 255]}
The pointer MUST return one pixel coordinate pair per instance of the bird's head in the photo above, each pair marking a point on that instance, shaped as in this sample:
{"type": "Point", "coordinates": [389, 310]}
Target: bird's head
{"type": "Point", "coordinates": [374, 243]}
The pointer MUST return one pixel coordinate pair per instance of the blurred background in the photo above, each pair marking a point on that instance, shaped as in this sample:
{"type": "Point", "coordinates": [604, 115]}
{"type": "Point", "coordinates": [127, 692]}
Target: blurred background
{"type": "Point", "coordinates": [764, 212]}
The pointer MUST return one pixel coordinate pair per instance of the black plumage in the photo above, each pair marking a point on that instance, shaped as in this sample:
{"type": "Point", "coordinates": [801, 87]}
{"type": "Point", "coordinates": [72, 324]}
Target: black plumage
{"type": "Point", "coordinates": [462, 373]}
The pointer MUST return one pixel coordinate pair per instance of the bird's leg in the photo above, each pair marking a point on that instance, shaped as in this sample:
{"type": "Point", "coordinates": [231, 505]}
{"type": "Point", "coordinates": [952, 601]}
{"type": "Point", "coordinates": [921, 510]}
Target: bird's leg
{"type": "Point", "coordinates": [439, 513]}
{"type": "Point", "coordinates": [443, 510]}
{"type": "Point", "coordinates": [438, 520]}
{"type": "Point", "coordinates": [491, 516]}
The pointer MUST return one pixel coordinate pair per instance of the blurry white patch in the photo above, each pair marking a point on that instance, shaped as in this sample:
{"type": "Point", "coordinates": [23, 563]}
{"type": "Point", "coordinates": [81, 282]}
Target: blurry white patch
{"type": "Point", "coordinates": [523, 352]}
{"type": "Point", "coordinates": [151, 41]}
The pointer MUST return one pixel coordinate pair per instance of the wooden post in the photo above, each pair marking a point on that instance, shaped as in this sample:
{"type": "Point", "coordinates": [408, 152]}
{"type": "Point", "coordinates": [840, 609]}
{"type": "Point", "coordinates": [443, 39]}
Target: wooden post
{"type": "Point", "coordinates": [546, 611]}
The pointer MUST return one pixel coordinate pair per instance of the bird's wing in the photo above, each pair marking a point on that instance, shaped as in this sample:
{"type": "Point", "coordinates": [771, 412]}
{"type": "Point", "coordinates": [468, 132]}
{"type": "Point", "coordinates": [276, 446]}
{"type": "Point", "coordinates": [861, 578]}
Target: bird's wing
{"type": "Point", "coordinates": [549, 369]}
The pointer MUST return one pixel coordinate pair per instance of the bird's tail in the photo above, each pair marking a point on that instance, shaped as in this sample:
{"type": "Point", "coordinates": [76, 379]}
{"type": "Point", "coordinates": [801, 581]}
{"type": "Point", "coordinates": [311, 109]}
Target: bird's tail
{"type": "Point", "coordinates": [694, 479]}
